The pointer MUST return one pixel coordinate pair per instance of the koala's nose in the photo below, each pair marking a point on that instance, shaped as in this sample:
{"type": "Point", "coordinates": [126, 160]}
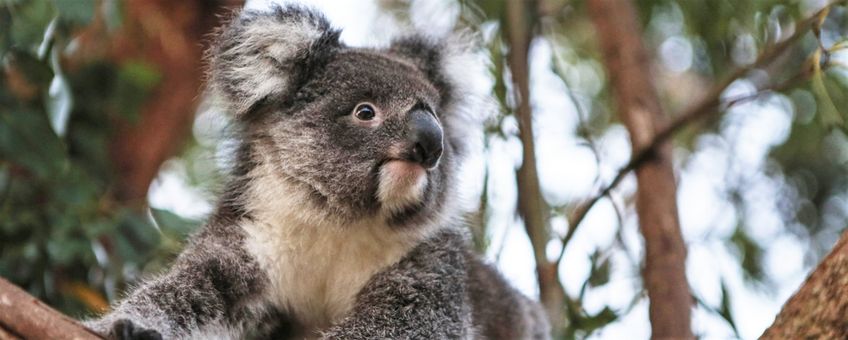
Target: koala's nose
{"type": "Point", "coordinates": [425, 137]}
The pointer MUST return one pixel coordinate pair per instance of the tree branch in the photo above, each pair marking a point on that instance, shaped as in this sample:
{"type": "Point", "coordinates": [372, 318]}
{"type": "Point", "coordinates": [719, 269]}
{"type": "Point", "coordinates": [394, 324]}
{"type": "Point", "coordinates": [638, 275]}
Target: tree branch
{"type": "Point", "coordinates": [707, 106]}
{"type": "Point", "coordinates": [24, 316]}
{"type": "Point", "coordinates": [818, 309]}
{"type": "Point", "coordinates": [531, 205]}
{"type": "Point", "coordinates": [628, 64]}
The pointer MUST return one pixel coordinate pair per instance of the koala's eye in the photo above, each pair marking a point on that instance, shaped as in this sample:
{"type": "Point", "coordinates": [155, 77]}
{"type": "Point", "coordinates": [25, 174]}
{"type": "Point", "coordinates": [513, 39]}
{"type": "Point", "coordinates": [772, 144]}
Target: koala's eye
{"type": "Point", "coordinates": [364, 112]}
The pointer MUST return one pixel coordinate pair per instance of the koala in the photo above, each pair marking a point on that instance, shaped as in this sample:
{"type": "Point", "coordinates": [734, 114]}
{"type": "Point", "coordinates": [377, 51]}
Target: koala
{"type": "Point", "coordinates": [339, 220]}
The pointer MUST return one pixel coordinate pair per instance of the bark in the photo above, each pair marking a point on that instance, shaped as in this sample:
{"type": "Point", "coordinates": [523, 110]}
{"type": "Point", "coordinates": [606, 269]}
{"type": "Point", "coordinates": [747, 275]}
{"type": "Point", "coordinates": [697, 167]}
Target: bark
{"type": "Point", "coordinates": [4, 335]}
{"type": "Point", "coordinates": [819, 310]}
{"type": "Point", "coordinates": [627, 64]}
{"type": "Point", "coordinates": [22, 316]}
{"type": "Point", "coordinates": [531, 205]}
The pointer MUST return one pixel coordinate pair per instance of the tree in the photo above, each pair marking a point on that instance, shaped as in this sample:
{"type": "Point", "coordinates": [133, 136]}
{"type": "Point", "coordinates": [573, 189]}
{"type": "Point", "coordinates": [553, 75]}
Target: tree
{"type": "Point", "coordinates": [628, 65]}
{"type": "Point", "coordinates": [531, 205]}
{"type": "Point", "coordinates": [96, 95]}
{"type": "Point", "coordinates": [785, 62]}
{"type": "Point", "coordinates": [817, 310]}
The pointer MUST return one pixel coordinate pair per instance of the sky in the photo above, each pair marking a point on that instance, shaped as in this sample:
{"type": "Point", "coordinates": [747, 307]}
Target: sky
{"type": "Point", "coordinates": [567, 170]}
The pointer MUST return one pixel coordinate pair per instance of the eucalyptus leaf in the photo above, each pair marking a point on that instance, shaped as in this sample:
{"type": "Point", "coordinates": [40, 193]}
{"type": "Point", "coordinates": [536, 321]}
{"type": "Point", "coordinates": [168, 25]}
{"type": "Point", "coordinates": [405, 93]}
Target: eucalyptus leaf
{"type": "Point", "coordinates": [594, 322]}
{"type": "Point", "coordinates": [599, 275]}
{"type": "Point", "coordinates": [113, 13]}
{"type": "Point", "coordinates": [37, 73]}
{"type": "Point", "coordinates": [29, 22]}
{"type": "Point", "coordinates": [173, 224]}
{"type": "Point", "coordinates": [750, 254]}
{"type": "Point", "coordinates": [60, 99]}
{"type": "Point", "coordinates": [828, 113]}
{"type": "Point", "coordinates": [135, 80]}
{"type": "Point", "coordinates": [725, 310]}
{"type": "Point", "coordinates": [78, 12]}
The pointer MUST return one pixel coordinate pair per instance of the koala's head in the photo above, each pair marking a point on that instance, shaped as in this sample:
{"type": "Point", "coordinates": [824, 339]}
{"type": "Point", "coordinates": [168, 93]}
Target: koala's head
{"type": "Point", "coordinates": [363, 132]}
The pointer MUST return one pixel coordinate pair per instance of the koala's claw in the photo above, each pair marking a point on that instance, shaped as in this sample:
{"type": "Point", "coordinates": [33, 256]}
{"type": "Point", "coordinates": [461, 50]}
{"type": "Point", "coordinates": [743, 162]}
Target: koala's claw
{"type": "Point", "coordinates": [126, 330]}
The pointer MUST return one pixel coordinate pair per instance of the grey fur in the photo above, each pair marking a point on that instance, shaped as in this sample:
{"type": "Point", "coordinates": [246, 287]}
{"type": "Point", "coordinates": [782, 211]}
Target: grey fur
{"type": "Point", "coordinates": [305, 166]}
{"type": "Point", "coordinates": [212, 281]}
{"type": "Point", "coordinates": [440, 290]}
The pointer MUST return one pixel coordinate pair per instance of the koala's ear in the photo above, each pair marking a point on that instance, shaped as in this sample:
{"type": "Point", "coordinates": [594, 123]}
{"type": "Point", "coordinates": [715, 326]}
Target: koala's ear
{"type": "Point", "coordinates": [430, 55]}
{"type": "Point", "coordinates": [267, 55]}
{"type": "Point", "coordinates": [452, 66]}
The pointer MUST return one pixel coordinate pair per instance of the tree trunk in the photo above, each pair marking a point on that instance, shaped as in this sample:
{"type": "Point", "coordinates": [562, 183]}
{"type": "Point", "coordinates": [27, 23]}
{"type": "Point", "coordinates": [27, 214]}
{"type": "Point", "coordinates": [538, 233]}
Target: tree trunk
{"type": "Point", "coordinates": [531, 205]}
{"type": "Point", "coordinates": [819, 310]}
{"type": "Point", "coordinates": [171, 35]}
{"type": "Point", "coordinates": [22, 316]}
{"type": "Point", "coordinates": [628, 66]}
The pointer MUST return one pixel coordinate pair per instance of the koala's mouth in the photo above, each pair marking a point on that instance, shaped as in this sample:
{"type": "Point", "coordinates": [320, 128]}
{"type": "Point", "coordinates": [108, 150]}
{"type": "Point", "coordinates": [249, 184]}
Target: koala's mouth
{"type": "Point", "coordinates": [401, 184]}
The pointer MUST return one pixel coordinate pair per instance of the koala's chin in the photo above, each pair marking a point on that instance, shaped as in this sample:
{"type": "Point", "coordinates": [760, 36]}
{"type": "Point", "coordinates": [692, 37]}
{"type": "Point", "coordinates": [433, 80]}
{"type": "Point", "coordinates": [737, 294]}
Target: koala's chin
{"type": "Point", "coordinates": [401, 185]}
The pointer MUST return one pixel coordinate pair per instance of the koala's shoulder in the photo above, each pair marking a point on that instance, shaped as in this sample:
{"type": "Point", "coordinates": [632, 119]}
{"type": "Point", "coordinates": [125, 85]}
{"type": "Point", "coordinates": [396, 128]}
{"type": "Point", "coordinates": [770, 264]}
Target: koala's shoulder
{"type": "Point", "coordinates": [438, 263]}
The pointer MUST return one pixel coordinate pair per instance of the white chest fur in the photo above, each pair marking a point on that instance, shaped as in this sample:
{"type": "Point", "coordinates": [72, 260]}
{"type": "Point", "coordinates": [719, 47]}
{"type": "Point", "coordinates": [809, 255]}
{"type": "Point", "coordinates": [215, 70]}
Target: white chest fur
{"type": "Point", "coordinates": [316, 267]}
{"type": "Point", "coordinates": [315, 272]}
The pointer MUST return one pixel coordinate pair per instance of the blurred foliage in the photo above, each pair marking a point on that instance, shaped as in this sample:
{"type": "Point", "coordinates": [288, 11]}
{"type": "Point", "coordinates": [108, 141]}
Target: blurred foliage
{"type": "Point", "coordinates": [717, 37]}
{"type": "Point", "coordinates": [63, 236]}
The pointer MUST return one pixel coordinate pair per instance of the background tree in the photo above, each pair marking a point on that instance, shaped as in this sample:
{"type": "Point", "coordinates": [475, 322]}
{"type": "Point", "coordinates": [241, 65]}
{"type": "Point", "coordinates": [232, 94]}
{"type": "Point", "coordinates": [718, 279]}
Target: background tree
{"type": "Point", "coordinates": [771, 49]}
{"type": "Point", "coordinates": [96, 95]}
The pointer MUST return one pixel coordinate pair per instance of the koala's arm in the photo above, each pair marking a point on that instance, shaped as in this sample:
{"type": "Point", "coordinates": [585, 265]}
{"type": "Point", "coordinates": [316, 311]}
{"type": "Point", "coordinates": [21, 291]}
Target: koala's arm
{"type": "Point", "coordinates": [441, 290]}
{"type": "Point", "coordinates": [213, 283]}
{"type": "Point", "coordinates": [499, 311]}
{"type": "Point", "coordinates": [421, 297]}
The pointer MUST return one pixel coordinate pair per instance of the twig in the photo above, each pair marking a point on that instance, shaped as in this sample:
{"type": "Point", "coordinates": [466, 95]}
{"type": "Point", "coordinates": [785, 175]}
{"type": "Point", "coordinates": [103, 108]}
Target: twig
{"type": "Point", "coordinates": [627, 63]}
{"type": "Point", "coordinates": [583, 125]}
{"type": "Point", "coordinates": [531, 205]}
{"type": "Point", "coordinates": [700, 110]}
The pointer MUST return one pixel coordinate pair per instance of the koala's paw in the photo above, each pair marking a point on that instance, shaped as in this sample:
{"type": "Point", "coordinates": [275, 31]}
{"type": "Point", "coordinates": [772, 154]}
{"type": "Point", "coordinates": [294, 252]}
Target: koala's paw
{"type": "Point", "coordinates": [126, 330]}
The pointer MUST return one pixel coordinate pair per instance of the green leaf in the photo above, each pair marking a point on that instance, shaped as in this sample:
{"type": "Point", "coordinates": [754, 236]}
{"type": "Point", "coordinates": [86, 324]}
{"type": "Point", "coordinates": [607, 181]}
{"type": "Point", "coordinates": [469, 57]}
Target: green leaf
{"type": "Point", "coordinates": [75, 190]}
{"type": "Point", "coordinates": [79, 12]}
{"type": "Point", "coordinates": [113, 14]}
{"type": "Point", "coordinates": [724, 310]}
{"type": "Point", "coordinates": [29, 21]}
{"type": "Point", "coordinates": [173, 224]}
{"type": "Point", "coordinates": [26, 140]}
{"type": "Point", "coordinates": [36, 72]}
{"type": "Point", "coordinates": [60, 99]}
{"type": "Point", "coordinates": [599, 275]}
{"type": "Point", "coordinates": [841, 45]}
{"type": "Point", "coordinates": [139, 74]}
{"type": "Point", "coordinates": [750, 253]}
{"type": "Point", "coordinates": [491, 9]}
{"type": "Point", "coordinates": [594, 322]}
{"type": "Point", "coordinates": [139, 231]}
{"type": "Point", "coordinates": [828, 113]}
{"type": "Point", "coordinates": [65, 251]}
{"type": "Point", "coordinates": [135, 81]}
{"type": "Point", "coordinates": [836, 84]}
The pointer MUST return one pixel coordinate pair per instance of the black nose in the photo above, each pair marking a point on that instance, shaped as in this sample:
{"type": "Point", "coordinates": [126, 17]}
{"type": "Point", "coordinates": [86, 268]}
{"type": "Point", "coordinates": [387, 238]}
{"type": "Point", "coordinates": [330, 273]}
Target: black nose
{"type": "Point", "coordinates": [425, 137]}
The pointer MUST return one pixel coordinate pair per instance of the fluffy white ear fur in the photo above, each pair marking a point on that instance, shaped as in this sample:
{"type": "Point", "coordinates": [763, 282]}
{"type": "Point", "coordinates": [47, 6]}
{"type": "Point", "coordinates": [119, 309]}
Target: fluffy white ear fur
{"type": "Point", "coordinates": [259, 54]}
{"type": "Point", "coordinates": [471, 107]}
{"type": "Point", "coordinates": [465, 67]}
{"type": "Point", "coordinates": [451, 61]}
